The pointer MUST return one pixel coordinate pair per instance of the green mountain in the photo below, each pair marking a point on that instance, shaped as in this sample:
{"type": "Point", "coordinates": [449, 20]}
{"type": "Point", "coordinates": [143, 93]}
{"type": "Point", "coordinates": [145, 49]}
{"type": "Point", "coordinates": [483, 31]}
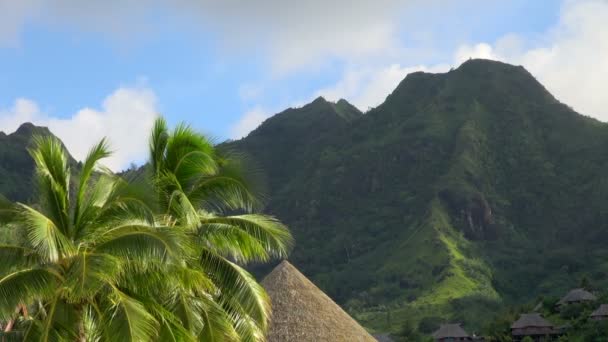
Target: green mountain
{"type": "Point", "coordinates": [463, 191]}
{"type": "Point", "coordinates": [16, 165]}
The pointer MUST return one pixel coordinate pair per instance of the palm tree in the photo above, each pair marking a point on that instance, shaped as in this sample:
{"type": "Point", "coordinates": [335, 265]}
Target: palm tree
{"type": "Point", "coordinates": [156, 259]}
{"type": "Point", "coordinates": [89, 253]}
{"type": "Point", "coordinates": [210, 195]}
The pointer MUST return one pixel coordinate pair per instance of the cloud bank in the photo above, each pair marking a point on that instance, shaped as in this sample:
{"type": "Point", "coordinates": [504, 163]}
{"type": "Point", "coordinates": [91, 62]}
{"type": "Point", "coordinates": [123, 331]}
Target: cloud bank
{"type": "Point", "coordinates": [125, 117]}
{"type": "Point", "coordinates": [570, 59]}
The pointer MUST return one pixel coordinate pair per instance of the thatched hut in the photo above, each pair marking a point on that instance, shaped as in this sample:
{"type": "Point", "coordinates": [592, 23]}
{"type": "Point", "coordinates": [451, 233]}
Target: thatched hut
{"type": "Point", "coordinates": [601, 313]}
{"type": "Point", "coordinates": [577, 296]}
{"type": "Point", "coordinates": [451, 332]}
{"type": "Point", "coordinates": [302, 312]}
{"type": "Point", "coordinates": [533, 325]}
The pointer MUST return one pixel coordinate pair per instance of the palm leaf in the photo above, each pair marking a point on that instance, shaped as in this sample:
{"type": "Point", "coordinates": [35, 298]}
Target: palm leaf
{"type": "Point", "coordinates": [16, 257]}
{"type": "Point", "coordinates": [97, 153]}
{"type": "Point", "coordinates": [44, 236]}
{"type": "Point", "coordinates": [128, 320]}
{"type": "Point", "coordinates": [158, 144]}
{"type": "Point", "coordinates": [181, 142]}
{"type": "Point", "coordinates": [88, 273]}
{"type": "Point", "coordinates": [23, 286]}
{"type": "Point", "coordinates": [237, 185]}
{"type": "Point", "coordinates": [138, 241]}
{"type": "Point", "coordinates": [269, 237]}
{"type": "Point", "coordinates": [235, 283]}
{"type": "Point", "coordinates": [53, 177]}
{"type": "Point", "coordinates": [217, 323]}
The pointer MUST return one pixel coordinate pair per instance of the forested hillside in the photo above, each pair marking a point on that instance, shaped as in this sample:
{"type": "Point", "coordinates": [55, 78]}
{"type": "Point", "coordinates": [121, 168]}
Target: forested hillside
{"type": "Point", "coordinates": [463, 191]}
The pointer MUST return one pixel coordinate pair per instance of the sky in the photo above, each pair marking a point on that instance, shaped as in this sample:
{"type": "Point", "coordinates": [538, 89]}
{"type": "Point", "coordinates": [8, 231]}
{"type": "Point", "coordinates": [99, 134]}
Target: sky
{"type": "Point", "coordinates": [89, 69]}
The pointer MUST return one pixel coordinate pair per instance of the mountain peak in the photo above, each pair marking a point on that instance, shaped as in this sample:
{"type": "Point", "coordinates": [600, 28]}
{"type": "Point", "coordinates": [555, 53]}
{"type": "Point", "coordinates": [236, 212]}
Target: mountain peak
{"type": "Point", "coordinates": [346, 110]}
{"type": "Point", "coordinates": [319, 100]}
{"type": "Point", "coordinates": [29, 129]}
{"type": "Point", "coordinates": [472, 80]}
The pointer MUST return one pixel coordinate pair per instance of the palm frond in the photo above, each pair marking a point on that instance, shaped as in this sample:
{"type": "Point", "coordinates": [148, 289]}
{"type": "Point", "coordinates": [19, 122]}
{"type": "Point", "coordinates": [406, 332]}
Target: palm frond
{"type": "Point", "coordinates": [182, 210]}
{"type": "Point", "coordinates": [23, 286]}
{"type": "Point", "coordinates": [272, 236]}
{"type": "Point", "coordinates": [53, 175]}
{"type": "Point", "coordinates": [181, 142]}
{"type": "Point", "coordinates": [237, 185]}
{"type": "Point", "coordinates": [138, 241]}
{"type": "Point", "coordinates": [98, 152]}
{"type": "Point", "coordinates": [128, 320]}
{"type": "Point", "coordinates": [236, 284]}
{"type": "Point", "coordinates": [113, 201]}
{"type": "Point", "coordinates": [172, 328]}
{"type": "Point", "coordinates": [232, 242]}
{"type": "Point", "coordinates": [43, 235]}
{"type": "Point", "coordinates": [158, 144]}
{"type": "Point", "coordinates": [88, 273]}
{"type": "Point", "coordinates": [194, 164]}
{"type": "Point", "coordinates": [16, 257]}
{"type": "Point", "coordinates": [217, 323]}
{"type": "Point", "coordinates": [61, 323]}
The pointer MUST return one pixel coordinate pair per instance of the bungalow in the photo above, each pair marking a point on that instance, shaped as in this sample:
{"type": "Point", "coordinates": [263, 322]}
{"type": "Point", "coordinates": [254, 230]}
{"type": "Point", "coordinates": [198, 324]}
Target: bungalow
{"type": "Point", "coordinates": [534, 326]}
{"type": "Point", "coordinates": [577, 296]}
{"type": "Point", "coordinates": [601, 313]}
{"type": "Point", "coordinates": [451, 332]}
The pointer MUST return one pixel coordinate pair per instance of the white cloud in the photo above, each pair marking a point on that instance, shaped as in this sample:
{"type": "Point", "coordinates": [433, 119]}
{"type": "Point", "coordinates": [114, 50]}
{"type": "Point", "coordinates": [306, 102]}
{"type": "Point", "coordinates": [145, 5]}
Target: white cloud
{"type": "Point", "coordinates": [248, 122]}
{"type": "Point", "coordinates": [291, 35]}
{"type": "Point", "coordinates": [570, 59]}
{"type": "Point", "coordinates": [369, 87]}
{"type": "Point", "coordinates": [295, 35]}
{"type": "Point", "coordinates": [126, 117]}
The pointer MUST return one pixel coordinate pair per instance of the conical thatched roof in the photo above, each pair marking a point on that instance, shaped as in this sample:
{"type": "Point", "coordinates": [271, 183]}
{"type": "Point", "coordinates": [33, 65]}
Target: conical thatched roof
{"type": "Point", "coordinates": [302, 312]}
{"type": "Point", "coordinates": [531, 320]}
{"type": "Point", "coordinates": [602, 311]}
{"type": "Point", "coordinates": [450, 331]}
{"type": "Point", "coordinates": [577, 295]}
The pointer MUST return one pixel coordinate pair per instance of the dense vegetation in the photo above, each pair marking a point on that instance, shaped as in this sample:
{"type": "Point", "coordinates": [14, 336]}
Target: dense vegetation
{"type": "Point", "coordinates": [462, 194]}
{"type": "Point", "coordinates": [150, 259]}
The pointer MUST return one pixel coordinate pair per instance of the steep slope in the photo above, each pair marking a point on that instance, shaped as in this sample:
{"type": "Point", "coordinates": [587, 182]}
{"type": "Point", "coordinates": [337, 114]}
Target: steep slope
{"type": "Point", "coordinates": [462, 190]}
{"type": "Point", "coordinates": [16, 165]}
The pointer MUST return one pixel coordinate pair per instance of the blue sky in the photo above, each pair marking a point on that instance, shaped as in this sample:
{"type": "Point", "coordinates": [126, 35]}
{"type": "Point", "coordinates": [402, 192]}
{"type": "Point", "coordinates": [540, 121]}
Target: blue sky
{"type": "Point", "coordinates": [225, 66]}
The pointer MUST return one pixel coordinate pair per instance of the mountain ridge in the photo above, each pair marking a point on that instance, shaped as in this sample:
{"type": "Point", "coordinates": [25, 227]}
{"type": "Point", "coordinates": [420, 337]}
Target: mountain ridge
{"type": "Point", "coordinates": [429, 194]}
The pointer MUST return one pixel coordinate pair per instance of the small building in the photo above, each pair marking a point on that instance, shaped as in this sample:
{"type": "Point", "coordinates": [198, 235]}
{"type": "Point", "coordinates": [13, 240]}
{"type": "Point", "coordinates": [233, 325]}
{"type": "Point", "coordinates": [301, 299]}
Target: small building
{"type": "Point", "coordinates": [577, 296]}
{"type": "Point", "coordinates": [534, 326]}
{"type": "Point", "coordinates": [600, 314]}
{"type": "Point", "coordinates": [451, 332]}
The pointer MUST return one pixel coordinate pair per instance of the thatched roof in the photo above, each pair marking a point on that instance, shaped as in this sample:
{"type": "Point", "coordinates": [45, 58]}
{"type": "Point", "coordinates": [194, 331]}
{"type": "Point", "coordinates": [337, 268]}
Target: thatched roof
{"type": "Point", "coordinates": [302, 312]}
{"type": "Point", "coordinates": [602, 311]}
{"type": "Point", "coordinates": [531, 320]}
{"type": "Point", "coordinates": [450, 331]}
{"type": "Point", "coordinates": [577, 295]}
